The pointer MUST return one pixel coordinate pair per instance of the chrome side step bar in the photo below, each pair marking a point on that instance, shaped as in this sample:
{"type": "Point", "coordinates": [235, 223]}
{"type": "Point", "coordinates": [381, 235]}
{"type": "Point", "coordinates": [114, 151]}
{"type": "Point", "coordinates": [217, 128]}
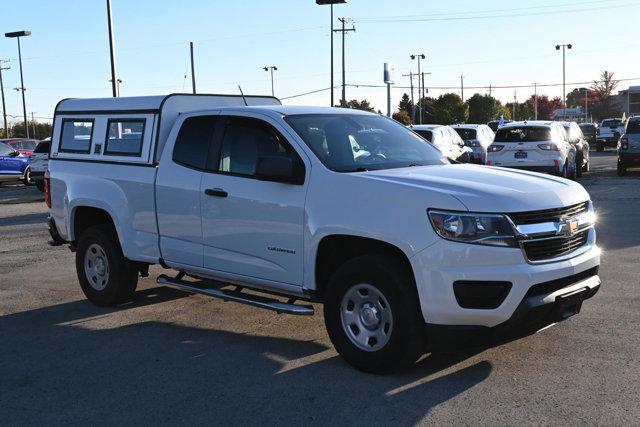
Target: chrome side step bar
{"type": "Point", "coordinates": [238, 296]}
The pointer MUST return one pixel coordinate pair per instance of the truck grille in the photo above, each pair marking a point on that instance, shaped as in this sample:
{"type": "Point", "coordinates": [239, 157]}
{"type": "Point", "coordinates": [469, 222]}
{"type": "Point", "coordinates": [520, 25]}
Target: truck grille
{"type": "Point", "coordinates": [548, 215]}
{"type": "Point", "coordinates": [538, 250]}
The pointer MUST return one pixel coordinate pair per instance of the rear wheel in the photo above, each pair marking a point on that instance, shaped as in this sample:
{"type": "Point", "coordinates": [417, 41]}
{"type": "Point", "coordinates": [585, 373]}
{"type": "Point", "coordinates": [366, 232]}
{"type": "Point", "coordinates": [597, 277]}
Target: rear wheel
{"type": "Point", "coordinates": [106, 277]}
{"type": "Point", "coordinates": [372, 314]}
{"type": "Point", "coordinates": [599, 146]}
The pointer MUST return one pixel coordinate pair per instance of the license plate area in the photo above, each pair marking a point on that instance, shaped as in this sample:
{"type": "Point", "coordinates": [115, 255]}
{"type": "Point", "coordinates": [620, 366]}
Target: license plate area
{"type": "Point", "coordinates": [569, 304]}
{"type": "Point", "coordinates": [520, 155]}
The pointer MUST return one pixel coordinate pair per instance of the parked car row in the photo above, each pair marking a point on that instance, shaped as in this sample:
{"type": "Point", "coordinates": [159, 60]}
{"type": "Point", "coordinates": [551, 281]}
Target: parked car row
{"type": "Point", "coordinates": [559, 148]}
{"type": "Point", "coordinates": [24, 160]}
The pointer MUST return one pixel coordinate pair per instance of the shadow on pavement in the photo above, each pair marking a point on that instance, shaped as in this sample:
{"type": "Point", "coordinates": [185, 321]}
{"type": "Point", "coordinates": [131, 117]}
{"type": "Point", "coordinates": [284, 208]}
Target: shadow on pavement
{"type": "Point", "coordinates": [27, 219]}
{"type": "Point", "coordinates": [58, 368]}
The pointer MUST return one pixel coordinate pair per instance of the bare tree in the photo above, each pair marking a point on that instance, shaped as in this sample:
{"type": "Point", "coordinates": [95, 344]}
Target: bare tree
{"type": "Point", "coordinates": [603, 104]}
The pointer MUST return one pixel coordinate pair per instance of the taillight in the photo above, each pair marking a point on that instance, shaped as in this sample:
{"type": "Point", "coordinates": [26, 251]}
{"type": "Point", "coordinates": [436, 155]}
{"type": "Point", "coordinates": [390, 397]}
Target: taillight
{"type": "Point", "coordinates": [47, 189]}
{"type": "Point", "coordinates": [549, 147]}
{"type": "Point", "coordinates": [495, 148]}
{"type": "Point", "coordinates": [624, 142]}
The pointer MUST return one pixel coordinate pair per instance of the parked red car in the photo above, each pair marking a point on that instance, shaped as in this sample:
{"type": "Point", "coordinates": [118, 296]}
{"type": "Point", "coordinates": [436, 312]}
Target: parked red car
{"type": "Point", "coordinates": [22, 145]}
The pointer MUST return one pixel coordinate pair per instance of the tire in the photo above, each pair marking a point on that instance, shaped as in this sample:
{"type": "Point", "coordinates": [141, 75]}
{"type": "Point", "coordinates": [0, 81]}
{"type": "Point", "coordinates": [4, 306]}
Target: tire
{"type": "Point", "coordinates": [40, 186]}
{"type": "Point", "coordinates": [26, 180]}
{"type": "Point", "coordinates": [621, 170]}
{"type": "Point", "coordinates": [579, 161]}
{"type": "Point", "coordinates": [391, 301]}
{"type": "Point", "coordinates": [599, 147]}
{"type": "Point", "coordinates": [99, 248]}
{"type": "Point", "coordinates": [565, 171]}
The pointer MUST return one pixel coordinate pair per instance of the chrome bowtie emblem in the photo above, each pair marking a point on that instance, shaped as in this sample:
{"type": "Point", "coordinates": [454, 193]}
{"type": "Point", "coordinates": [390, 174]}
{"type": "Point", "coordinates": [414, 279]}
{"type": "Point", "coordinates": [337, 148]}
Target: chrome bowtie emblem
{"type": "Point", "coordinates": [567, 226]}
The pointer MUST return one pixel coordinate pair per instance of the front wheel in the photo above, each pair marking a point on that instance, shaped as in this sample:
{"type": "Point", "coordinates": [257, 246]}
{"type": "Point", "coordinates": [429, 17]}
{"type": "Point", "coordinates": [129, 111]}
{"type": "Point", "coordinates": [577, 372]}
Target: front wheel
{"type": "Point", "coordinates": [106, 277]}
{"type": "Point", "coordinates": [26, 180]}
{"type": "Point", "coordinates": [599, 147]}
{"type": "Point", "coordinates": [578, 166]}
{"type": "Point", "coordinates": [621, 170]}
{"type": "Point", "coordinates": [372, 314]}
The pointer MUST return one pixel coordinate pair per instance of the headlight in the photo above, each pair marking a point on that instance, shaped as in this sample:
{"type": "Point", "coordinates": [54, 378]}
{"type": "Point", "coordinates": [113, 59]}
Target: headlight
{"type": "Point", "coordinates": [483, 229]}
{"type": "Point", "coordinates": [495, 148]}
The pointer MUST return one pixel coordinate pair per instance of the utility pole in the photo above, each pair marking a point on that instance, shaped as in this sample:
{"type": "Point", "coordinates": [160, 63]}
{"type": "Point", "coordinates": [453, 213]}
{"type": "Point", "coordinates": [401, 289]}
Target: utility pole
{"type": "Point", "coordinates": [490, 90]}
{"type": "Point", "coordinates": [344, 31]}
{"type": "Point", "coordinates": [271, 68]}
{"type": "Point", "coordinates": [419, 56]}
{"type": "Point", "coordinates": [4, 106]}
{"type": "Point", "coordinates": [535, 100]}
{"type": "Point", "coordinates": [413, 105]}
{"type": "Point", "coordinates": [513, 115]}
{"type": "Point", "coordinates": [114, 77]}
{"type": "Point", "coordinates": [564, 90]}
{"type": "Point", "coordinates": [586, 103]}
{"type": "Point", "coordinates": [193, 68]}
{"type": "Point", "coordinates": [424, 89]}
{"type": "Point", "coordinates": [33, 124]}
{"type": "Point", "coordinates": [462, 87]}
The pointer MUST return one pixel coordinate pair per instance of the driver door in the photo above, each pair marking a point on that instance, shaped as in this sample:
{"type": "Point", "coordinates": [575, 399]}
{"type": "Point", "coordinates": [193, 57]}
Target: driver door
{"type": "Point", "coordinates": [252, 227]}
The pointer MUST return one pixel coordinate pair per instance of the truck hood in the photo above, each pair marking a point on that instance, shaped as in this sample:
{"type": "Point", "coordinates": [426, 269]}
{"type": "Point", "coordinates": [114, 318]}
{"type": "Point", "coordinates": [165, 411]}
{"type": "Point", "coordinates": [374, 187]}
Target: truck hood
{"type": "Point", "coordinates": [488, 189]}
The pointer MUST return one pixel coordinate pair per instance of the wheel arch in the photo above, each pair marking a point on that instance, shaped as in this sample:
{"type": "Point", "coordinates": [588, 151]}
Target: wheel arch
{"type": "Point", "coordinates": [336, 249]}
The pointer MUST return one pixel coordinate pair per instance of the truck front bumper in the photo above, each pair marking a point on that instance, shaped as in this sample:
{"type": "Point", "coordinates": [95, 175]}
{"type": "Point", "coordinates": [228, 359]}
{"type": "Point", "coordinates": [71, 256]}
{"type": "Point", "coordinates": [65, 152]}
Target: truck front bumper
{"type": "Point", "coordinates": [533, 290]}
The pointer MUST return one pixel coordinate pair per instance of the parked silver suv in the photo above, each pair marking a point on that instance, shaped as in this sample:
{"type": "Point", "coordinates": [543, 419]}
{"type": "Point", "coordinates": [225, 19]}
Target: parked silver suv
{"type": "Point", "coordinates": [629, 146]}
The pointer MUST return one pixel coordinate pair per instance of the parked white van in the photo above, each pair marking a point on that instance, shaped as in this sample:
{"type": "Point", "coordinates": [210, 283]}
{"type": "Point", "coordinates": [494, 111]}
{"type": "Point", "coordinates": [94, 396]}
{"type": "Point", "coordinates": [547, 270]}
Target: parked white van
{"type": "Point", "coordinates": [304, 204]}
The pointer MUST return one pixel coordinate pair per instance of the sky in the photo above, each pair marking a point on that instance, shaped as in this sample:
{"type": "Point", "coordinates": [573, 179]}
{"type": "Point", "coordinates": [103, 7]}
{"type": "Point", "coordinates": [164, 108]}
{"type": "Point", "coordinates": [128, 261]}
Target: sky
{"type": "Point", "coordinates": [497, 42]}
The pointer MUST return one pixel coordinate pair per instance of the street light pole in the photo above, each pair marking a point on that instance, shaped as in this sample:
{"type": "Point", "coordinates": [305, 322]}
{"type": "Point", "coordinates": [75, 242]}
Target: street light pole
{"type": "Point", "coordinates": [413, 105]}
{"type": "Point", "coordinates": [462, 87]}
{"type": "Point", "coordinates": [17, 35]}
{"type": "Point", "coordinates": [419, 57]}
{"type": "Point", "coordinates": [271, 68]}
{"type": "Point", "coordinates": [564, 91]}
{"type": "Point", "coordinates": [331, 3]}
{"type": "Point", "coordinates": [4, 106]}
{"type": "Point", "coordinates": [193, 68]}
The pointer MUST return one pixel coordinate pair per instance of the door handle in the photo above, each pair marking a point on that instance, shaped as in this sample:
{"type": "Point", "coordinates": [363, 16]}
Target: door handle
{"type": "Point", "coordinates": [216, 192]}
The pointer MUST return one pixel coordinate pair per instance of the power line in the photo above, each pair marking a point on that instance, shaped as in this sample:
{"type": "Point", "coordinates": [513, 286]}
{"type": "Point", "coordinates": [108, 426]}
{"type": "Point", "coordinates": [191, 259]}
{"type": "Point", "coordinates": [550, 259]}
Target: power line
{"type": "Point", "coordinates": [497, 16]}
{"type": "Point", "coordinates": [486, 11]}
{"type": "Point", "coordinates": [488, 87]}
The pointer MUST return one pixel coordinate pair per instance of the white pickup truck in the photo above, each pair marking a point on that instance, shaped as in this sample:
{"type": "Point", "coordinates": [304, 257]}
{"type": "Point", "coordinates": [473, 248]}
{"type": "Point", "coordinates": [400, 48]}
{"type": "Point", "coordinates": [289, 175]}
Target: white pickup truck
{"type": "Point", "coordinates": [275, 206]}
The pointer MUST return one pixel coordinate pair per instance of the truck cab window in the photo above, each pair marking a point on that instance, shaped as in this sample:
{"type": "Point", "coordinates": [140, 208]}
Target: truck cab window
{"type": "Point", "coordinates": [193, 141]}
{"type": "Point", "coordinates": [247, 140]}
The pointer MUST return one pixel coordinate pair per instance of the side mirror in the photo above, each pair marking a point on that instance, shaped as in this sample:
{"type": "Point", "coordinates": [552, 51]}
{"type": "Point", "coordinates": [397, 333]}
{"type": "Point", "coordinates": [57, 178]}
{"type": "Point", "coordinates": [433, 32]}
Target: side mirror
{"type": "Point", "coordinates": [278, 168]}
{"type": "Point", "coordinates": [14, 154]}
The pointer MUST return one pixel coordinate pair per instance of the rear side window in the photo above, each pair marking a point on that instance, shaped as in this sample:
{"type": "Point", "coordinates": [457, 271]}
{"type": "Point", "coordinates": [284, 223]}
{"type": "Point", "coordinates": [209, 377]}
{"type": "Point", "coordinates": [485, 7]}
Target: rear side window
{"type": "Point", "coordinates": [76, 135]}
{"type": "Point", "coordinates": [426, 134]}
{"type": "Point", "coordinates": [124, 137]}
{"type": "Point", "coordinates": [466, 134]}
{"type": "Point", "coordinates": [43, 147]}
{"type": "Point", "coordinates": [194, 139]}
{"type": "Point", "coordinates": [633, 126]}
{"type": "Point", "coordinates": [523, 134]}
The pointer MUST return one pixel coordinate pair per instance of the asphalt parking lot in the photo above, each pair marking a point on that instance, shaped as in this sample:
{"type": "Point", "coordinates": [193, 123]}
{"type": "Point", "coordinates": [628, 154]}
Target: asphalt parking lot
{"type": "Point", "coordinates": [175, 358]}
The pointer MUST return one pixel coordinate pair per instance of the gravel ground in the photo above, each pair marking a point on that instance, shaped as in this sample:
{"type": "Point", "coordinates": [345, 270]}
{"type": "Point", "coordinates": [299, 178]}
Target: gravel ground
{"type": "Point", "coordinates": [175, 358]}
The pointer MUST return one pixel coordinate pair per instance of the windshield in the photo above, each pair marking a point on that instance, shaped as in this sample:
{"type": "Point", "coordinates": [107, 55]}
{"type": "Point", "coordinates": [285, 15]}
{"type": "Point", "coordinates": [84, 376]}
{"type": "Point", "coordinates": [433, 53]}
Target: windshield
{"type": "Point", "coordinates": [612, 123]}
{"type": "Point", "coordinates": [588, 128]}
{"type": "Point", "coordinates": [354, 142]}
{"type": "Point", "coordinates": [523, 134]}
{"type": "Point", "coordinates": [466, 134]}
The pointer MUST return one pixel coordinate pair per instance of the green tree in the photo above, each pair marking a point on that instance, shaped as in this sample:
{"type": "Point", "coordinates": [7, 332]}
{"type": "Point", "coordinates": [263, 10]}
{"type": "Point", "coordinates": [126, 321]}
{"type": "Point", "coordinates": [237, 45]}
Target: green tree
{"type": "Point", "coordinates": [360, 105]}
{"type": "Point", "coordinates": [450, 109]}
{"type": "Point", "coordinates": [406, 105]}
{"type": "Point", "coordinates": [402, 117]}
{"type": "Point", "coordinates": [483, 108]}
{"type": "Point", "coordinates": [42, 130]}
